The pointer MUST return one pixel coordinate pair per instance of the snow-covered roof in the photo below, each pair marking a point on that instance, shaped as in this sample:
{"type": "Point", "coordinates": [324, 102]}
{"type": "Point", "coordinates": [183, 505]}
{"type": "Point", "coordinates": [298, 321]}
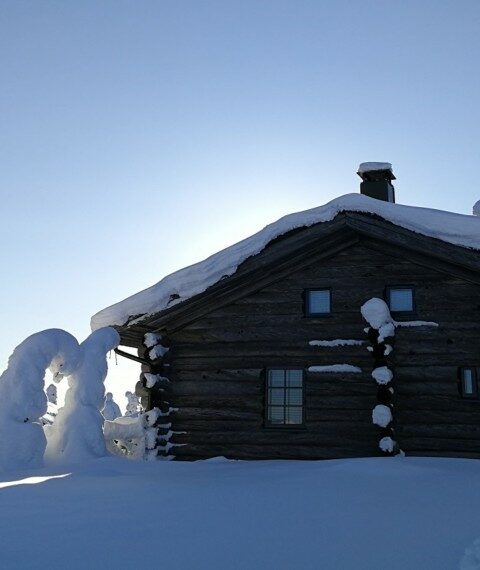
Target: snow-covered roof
{"type": "Point", "coordinates": [453, 228]}
{"type": "Point", "coordinates": [371, 166]}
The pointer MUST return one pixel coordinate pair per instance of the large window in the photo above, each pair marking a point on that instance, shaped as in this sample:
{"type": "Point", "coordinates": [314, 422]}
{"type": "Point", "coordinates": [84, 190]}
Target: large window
{"type": "Point", "coordinates": [318, 302]}
{"type": "Point", "coordinates": [468, 386]}
{"type": "Point", "coordinates": [284, 397]}
{"type": "Point", "coordinates": [400, 299]}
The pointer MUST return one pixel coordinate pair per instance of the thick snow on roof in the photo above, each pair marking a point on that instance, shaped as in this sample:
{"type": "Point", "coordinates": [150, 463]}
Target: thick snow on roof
{"type": "Point", "coordinates": [457, 229]}
{"type": "Point", "coordinates": [369, 166]}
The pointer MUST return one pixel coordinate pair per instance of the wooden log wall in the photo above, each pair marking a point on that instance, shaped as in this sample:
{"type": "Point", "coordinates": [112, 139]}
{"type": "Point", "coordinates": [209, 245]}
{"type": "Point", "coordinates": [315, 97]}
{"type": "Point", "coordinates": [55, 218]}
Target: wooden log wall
{"type": "Point", "coordinates": [216, 364]}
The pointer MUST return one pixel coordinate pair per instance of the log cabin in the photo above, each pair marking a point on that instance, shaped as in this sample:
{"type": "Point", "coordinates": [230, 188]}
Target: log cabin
{"type": "Point", "coordinates": [264, 350]}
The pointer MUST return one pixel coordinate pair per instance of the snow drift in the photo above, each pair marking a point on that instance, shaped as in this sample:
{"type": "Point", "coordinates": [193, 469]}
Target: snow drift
{"type": "Point", "coordinates": [388, 513]}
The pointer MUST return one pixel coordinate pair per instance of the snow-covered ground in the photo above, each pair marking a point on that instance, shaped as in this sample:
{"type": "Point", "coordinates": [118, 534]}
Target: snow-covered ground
{"type": "Point", "coordinates": [373, 514]}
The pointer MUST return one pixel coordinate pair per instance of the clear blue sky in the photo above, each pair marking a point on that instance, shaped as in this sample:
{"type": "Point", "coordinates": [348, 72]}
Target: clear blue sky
{"type": "Point", "coordinates": [137, 137]}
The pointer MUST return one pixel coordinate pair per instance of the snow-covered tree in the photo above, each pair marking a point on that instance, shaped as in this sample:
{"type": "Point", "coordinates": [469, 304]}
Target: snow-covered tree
{"type": "Point", "coordinates": [111, 410]}
{"type": "Point", "coordinates": [77, 433]}
{"type": "Point", "coordinates": [51, 392]}
{"type": "Point", "coordinates": [52, 408]}
{"type": "Point", "coordinates": [133, 406]}
{"type": "Point", "coordinates": [23, 401]}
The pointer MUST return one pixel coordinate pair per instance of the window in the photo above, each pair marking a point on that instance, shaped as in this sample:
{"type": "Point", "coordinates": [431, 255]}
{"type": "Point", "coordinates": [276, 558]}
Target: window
{"type": "Point", "coordinates": [468, 382]}
{"type": "Point", "coordinates": [400, 299]}
{"type": "Point", "coordinates": [284, 397]}
{"type": "Point", "coordinates": [318, 302]}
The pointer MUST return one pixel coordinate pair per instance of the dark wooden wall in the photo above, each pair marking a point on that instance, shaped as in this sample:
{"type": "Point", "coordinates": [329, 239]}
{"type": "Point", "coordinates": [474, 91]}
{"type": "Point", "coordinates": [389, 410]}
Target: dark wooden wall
{"type": "Point", "coordinates": [216, 366]}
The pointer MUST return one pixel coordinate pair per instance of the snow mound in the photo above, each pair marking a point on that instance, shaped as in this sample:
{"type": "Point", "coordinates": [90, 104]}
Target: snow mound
{"type": "Point", "coordinates": [380, 513]}
{"type": "Point", "coordinates": [453, 228]}
{"type": "Point", "coordinates": [126, 436]}
{"type": "Point", "coordinates": [377, 314]}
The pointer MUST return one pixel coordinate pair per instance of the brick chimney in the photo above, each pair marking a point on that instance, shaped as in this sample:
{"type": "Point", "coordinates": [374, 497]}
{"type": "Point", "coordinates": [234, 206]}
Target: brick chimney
{"type": "Point", "coordinates": [377, 180]}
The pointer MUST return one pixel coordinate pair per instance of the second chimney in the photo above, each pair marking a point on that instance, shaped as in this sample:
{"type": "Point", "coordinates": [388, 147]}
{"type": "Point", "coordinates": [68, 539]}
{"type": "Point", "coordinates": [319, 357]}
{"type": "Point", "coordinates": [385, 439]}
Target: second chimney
{"type": "Point", "coordinates": [377, 180]}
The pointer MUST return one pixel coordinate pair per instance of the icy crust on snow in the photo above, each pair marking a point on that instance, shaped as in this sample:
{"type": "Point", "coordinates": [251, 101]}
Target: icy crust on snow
{"type": "Point", "coordinates": [457, 229]}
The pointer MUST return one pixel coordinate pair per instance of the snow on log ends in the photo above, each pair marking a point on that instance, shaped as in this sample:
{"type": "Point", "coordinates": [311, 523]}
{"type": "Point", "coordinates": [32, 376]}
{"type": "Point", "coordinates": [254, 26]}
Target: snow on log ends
{"type": "Point", "coordinates": [377, 314]}
{"type": "Point", "coordinates": [151, 339]}
{"type": "Point", "coordinates": [453, 228]}
{"type": "Point", "coordinates": [336, 368]}
{"type": "Point", "coordinates": [381, 415]}
{"type": "Point", "coordinates": [156, 352]}
{"type": "Point", "coordinates": [382, 375]}
{"type": "Point", "coordinates": [387, 444]}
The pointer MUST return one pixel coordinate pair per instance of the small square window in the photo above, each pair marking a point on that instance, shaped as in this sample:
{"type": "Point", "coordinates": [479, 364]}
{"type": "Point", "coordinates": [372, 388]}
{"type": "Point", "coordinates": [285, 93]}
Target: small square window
{"type": "Point", "coordinates": [284, 397]}
{"type": "Point", "coordinates": [468, 386]}
{"type": "Point", "coordinates": [318, 302]}
{"type": "Point", "coordinates": [400, 299]}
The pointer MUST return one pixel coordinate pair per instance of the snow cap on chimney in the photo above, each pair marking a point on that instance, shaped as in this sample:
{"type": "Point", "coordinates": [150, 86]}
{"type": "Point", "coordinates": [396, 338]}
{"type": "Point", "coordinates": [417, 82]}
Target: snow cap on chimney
{"type": "Point", "coordinates": [377, 180]}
